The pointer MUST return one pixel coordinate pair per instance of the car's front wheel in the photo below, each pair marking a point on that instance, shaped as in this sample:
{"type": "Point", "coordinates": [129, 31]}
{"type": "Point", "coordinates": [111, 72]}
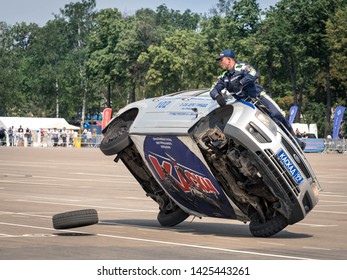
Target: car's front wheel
{"type": "Point", "coordinates": [269, 227]}
{"type": "Point", "coordinates": [116, 138]}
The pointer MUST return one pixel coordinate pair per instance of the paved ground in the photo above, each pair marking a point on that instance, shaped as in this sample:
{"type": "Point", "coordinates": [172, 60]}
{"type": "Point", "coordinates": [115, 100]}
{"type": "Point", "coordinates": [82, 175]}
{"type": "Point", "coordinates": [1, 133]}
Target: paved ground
{"type": "Point", "coordinates": [36, 183]}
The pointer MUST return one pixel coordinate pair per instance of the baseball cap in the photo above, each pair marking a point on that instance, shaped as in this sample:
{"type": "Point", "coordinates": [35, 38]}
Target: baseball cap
{"type": "Point", "coordinates": [226, 53]}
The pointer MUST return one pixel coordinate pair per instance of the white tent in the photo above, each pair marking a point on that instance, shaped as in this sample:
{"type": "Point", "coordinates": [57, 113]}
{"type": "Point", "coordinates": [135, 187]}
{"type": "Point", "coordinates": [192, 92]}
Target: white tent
{"type": "Point", "coordinates": [36, 123]}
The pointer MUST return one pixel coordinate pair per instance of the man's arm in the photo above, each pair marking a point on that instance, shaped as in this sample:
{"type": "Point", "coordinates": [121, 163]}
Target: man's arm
{"type": "Point", "coordinates": [218, 86]}
{"type": "Point", "coordinates": [248, 73]}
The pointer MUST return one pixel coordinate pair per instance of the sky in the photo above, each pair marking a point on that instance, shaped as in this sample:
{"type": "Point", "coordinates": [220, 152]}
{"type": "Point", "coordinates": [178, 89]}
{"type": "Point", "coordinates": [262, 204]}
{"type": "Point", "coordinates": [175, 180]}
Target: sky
{"type": "Point", "coordinates": [41, 11]}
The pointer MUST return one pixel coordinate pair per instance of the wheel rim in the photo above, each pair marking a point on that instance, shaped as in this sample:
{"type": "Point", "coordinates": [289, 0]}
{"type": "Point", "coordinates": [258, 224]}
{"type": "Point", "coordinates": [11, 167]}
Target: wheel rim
{"type": "Point", "coordinates": [114, 135]}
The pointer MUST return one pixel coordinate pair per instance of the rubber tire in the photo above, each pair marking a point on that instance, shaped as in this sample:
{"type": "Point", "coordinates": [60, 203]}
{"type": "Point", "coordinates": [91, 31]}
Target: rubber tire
{"type": "Point", "coordinates": [116, 138]}
{"type": "Point", "coordinates": [269, 228]}
{"type": "Point", "coordinates": [170, 219]}
{"type": "Point", "coordinates": [72, 219]}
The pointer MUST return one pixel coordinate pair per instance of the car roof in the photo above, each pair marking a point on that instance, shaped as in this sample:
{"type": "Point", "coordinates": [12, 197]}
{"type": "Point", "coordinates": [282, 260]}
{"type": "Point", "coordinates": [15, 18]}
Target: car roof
{"type": "Point", "coordinates": [195, 92]}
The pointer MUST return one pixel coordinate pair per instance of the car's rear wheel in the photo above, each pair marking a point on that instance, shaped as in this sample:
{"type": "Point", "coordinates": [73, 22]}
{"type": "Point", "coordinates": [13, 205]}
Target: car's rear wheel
{"type": "Point", "coordinates": [172, 218]}
{"type": "Point", "coordinates": [72, 219]}
{"type": "Point", "coordinates": [268, 228]}
{"type": "Point", "coordinates": [116, 138]}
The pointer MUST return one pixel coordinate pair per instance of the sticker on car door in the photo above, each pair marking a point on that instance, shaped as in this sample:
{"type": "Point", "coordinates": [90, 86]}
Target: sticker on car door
{"type": "Point", "coordinates": [184, 176]}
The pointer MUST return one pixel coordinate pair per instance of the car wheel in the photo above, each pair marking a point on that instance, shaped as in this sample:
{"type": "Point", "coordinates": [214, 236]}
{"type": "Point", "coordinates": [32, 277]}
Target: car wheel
{"type": "Point", "coordinates": [172, 218]}
{"type": "Point", "coordinates": [72, 219]}
{"type": "Point", "coordinates": [116, 138]}
{"type": "Point", "coordinates": [269, 228]}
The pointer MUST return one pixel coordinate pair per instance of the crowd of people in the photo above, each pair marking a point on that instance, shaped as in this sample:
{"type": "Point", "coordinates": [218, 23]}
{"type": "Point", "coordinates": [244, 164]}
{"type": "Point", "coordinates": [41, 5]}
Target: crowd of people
{"type": "Point", "coordinates": [47, 137]}
{"type": "Point", "coordinates": [304, 135]}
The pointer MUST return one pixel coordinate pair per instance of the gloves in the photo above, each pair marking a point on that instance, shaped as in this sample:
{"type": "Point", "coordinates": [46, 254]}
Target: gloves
{"type": "Point", "coordinates": [221, 101]}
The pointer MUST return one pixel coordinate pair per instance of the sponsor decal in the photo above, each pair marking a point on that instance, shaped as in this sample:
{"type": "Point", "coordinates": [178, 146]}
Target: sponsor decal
{"type": "Point", "coordinates": [182, 113]}
{"type": "Point", "coordinates": [297, 158]}
{"type": "Point", "coordinates": [193, 104]}
{"type": "Point", "coordinates": [291, 168]}
{"type": "Point", "coordinates": [163, 104]}
{"type": "Point", "coordinates": [185, 177]}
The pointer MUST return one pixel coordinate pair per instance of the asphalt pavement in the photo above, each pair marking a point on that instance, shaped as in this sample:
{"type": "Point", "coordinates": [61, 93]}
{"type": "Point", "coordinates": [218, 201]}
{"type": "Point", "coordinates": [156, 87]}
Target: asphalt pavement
{"type": "Point", "coordinates": [37, 183]}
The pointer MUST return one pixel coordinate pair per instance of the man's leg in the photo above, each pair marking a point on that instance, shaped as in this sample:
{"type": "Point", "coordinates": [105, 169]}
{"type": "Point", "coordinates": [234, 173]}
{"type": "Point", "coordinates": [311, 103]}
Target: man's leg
{"type": "Point", "coordinates": [276, 114]}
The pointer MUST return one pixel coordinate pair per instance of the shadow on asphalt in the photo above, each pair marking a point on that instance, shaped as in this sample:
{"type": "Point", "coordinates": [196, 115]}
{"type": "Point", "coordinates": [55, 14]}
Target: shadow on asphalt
{"type": "Point", "coordinates": [217, 229]}
{"type": "Point", "coordinates": [73, 234]}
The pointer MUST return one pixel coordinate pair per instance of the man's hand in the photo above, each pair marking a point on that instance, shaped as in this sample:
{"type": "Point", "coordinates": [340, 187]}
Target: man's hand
{"type": "Point", "coordinates": [221, 101]}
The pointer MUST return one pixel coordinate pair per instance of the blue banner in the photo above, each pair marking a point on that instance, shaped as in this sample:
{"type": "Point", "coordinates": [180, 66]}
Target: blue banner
{"type": "Point", "coordinates": [292, 113]}
{"type": "Point", "coordinates": [314, 145]}
{"type": "Point", "coordinates": [339, 111]}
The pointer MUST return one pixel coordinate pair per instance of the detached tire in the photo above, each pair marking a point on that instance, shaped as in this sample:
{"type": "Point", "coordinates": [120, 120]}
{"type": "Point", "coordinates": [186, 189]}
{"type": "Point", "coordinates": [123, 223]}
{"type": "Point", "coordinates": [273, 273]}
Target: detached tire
{"type": "Point", "coordinates": [72, 219]}
{"type": "Point", "coordinates": [116, 138]}
{"type": "Point", "coordinates": [269, 228]}
{"type": "Point", "coordinates": [170, 219]}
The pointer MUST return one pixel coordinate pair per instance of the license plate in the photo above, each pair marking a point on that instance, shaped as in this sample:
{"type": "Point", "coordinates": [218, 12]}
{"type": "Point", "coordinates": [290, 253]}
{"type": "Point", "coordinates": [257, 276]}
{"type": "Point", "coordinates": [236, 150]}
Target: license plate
{"type": "Point", "coordinates": [291, 168]}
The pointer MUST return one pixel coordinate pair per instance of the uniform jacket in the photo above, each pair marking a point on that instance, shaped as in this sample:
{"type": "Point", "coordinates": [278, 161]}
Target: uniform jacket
{"type": "Point", "coordinates": [247, 87]}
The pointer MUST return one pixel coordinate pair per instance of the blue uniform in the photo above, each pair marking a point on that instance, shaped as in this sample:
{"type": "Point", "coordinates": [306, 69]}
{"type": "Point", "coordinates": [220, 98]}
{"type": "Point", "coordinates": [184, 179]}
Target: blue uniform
{"type": "Point", "coordinates": [247, 86]}
{"type": "Point", "coordinates": [241, 80]}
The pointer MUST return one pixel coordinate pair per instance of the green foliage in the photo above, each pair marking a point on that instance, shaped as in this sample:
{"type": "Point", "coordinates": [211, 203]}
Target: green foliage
{"type": "Point", "coordinates": [176, 65]}
{"type": "Point", "coordinates": [337, 40]}
{"type": "Point", "coordinates": [85, 59]}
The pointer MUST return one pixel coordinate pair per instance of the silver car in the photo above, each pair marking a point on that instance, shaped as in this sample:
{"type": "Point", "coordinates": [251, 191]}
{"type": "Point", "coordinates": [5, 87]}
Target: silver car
{"type": "Point", "coordinates": [193, 157]}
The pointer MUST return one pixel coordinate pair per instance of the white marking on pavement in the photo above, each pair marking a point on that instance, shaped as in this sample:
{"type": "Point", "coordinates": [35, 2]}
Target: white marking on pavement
{"type": "Point", "coordinates": [332, 201]}
{"type": "Point", "coordinates": [172, 243]}
{"type": "Point", "coordinates": [33, 183]}
{"type": "Point", "coordinates": [271, 243]}
{"type": "Point", "coordinates": [333, 195]}
{"type": "Point", "coordinates": [330, 212]}
{"type": "Point", "coordinates": [315, 225]}
{"type": "Point", "coordinates": [26, 214]}
{"type": "Point", "coordinates": [52, 198]}
{"type": "Point", "coordinates": [332, 205]}
{"type": "Point", "coordinates": [89, 206]}
{"type": "Point", "coordinates": [102, 175]}
{"type": "Point", "coordinates": [317, 248]}
{"type": "Point", "coordinates": [133, 198]}
{"type": "Point", "coordinates": [49, 179]}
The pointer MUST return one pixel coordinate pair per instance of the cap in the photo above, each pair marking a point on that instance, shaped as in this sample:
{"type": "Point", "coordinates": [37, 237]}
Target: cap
{"type": "Point", "coordinates": [226, 53]}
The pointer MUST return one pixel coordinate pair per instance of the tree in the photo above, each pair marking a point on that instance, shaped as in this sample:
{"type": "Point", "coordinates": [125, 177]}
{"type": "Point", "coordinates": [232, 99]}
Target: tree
{"type": "Point", "coordinates": [8, 76]}
{"type": "Point", "coordinates": [15, 85]}
{"type": "Point", "coordinates": [177, 65]}
{"type": "Point", "coordinates": [290, 44]}
{"type": "Point", "coordinates": [170, 20]}
{"type": "Point", "coordinates": [245, 16]}
{"type": "Point", "coordinates": [84, 57]}
{"type": "Point", "coordinates": [102, 57]}
{"type": "Point", "coordinates": [336, 35]}
{"type": "Point", "coordinates": [143, 32]}
{"type": "Point", "coordinates": [79, 17]}
{"type": "Point", "coordinates": [48, 52]}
